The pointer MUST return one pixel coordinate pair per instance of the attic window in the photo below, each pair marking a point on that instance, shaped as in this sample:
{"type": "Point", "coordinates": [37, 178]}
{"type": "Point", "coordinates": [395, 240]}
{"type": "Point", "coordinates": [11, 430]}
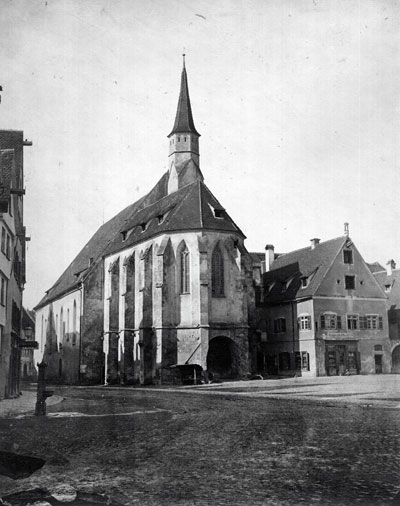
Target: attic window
{"type": "Point", "coordinates": [347, 256]}
{"type": "Point", "coordinates": [143, 226]}
{"type": "Point", "coordinates": [218, 213]}
{"type": "Point", "coordinates": [388, 288]}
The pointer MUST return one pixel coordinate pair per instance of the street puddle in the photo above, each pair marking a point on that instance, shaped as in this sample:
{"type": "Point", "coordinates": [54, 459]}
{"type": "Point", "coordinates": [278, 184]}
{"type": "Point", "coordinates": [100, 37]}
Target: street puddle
{"type": "Point", "coordinates": [62, 494]}
{"type": "Point", "coordinates": [76, 414]}
{"type": "Point", "coordinates": [17, 466]}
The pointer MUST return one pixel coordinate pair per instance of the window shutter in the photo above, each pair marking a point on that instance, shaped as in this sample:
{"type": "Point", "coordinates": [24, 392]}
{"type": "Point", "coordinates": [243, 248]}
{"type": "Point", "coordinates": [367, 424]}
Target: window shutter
{"type": "Point", "coordinates": [322, 321]}
{"type": "Point", "coordinates": [380, 324]}
{"type": "Point", "coordinates": [339, 321]}
{"type": "Point", "coordinates": [298, 323]}
{"type": "Point", "coordinates": [309, 321]}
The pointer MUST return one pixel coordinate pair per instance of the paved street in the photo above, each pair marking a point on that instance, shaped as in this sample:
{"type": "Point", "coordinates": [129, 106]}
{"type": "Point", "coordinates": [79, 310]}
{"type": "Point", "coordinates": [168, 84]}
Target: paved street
{"type": "Point", "coordinates": [323, 441]}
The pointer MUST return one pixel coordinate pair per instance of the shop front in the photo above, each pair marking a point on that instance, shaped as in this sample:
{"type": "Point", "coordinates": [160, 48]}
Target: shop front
{"type": "Point", "coordinates": [342, 358]}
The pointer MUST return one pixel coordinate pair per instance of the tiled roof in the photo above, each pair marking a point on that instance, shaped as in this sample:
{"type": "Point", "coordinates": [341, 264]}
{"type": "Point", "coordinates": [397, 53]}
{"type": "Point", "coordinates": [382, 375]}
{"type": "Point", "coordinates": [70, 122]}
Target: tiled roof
{"type": "Point", "coordinates": [189, 208]}
{"type": "Point", "coordinates": [95, 248]}
{"type": "Point", "coordinates": [184, 118]}
{"type": "Point", "coordinates": [375, 267]}
{"type": "Point", "coordinates": [393, 282]}
{"type": "Point", "coordinates": [283, 282]}
{"type": "Point", "coordinates": [257, 257]}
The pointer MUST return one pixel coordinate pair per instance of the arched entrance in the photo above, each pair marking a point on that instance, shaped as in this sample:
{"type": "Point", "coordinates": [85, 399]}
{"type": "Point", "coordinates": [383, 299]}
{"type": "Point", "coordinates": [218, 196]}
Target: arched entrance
{"type": "Point", "coordinates": [396, 360]}
{"type": "Point", "coordinates": [221, 357]}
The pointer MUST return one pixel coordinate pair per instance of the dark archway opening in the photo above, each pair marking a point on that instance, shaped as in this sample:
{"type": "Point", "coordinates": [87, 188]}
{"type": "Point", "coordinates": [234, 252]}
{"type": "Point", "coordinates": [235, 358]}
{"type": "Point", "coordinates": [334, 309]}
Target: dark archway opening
{"type": "Point", "coordinates": [220, 357]}
{"type": "Point", "coordinates": [396, 360]}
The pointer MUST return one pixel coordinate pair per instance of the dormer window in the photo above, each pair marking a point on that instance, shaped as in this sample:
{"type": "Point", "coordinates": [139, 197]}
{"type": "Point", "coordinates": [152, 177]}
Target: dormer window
{"type": "Point", "coordinates": [124, 234]}
{"type": "Point", "coordinates": [218, 213]}
{"type": "Point", "coordinates": [304, 282]}
{"type": "Point", "coordinates": [160, 219]}
{"type": "Point", "coordinates": [388, 288]}
{"type": "Point", "coordinates": [143, 226]}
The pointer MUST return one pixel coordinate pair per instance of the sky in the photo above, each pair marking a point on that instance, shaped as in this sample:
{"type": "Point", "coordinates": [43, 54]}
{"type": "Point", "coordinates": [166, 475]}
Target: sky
{"type": "Point", "coordinates": [296, 101]}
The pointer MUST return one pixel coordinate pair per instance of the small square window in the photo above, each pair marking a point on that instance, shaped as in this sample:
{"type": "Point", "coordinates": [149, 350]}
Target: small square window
{"type": "Point", "coordinates": [349, 282]}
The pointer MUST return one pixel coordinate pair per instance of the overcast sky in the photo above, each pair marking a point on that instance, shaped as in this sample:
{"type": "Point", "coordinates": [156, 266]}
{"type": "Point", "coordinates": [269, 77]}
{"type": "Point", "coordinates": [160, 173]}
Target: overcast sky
{"type": "Point", "coordinates": [297, 103]}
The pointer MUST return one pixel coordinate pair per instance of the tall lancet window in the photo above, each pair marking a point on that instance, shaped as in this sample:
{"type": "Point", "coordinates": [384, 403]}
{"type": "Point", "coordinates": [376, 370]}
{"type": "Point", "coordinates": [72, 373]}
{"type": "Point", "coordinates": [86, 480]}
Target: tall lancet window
{"type": "Point", "coordinates": [185, 270]}
{"type": "Point", "coordinates": [217, 273]}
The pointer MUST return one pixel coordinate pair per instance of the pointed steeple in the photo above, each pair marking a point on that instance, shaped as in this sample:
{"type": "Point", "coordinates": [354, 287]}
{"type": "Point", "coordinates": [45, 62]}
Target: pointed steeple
{"type": "Point", "coordinates": [184, 119]}
{"type": "Point", "coordinates": [183, 142]}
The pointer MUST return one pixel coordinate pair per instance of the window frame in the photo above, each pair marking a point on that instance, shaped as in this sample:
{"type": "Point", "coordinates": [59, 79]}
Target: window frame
{"type": "Point", "coordinates": [304, 322]}
{"type": "Point", "coordinates": [184, 270]}
{"type": "Point", "coordinates": [279, 325]}
{"type": "Point", "coordinates": [3, 291]}
{"type": "Point", "coordinates": [348, 255]}
{"type": "Point", "coordinates": [217, 273]}
{"type": "Point", "coordinates": [353, 317]}
{"type": "Point", "coordinates": [347, 278]}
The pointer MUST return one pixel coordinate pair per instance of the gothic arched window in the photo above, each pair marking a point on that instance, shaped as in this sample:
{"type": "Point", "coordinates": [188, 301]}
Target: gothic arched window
{"type": "Point", "coordinates": [217, 273]}
{"type": "Point", "coordinates": [185, 270]}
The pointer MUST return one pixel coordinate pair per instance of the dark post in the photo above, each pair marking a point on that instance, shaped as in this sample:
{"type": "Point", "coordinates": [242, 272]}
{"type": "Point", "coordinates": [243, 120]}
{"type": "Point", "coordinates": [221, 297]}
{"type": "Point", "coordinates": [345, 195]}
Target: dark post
{"type": "Point", "coordinates": [42, 393]}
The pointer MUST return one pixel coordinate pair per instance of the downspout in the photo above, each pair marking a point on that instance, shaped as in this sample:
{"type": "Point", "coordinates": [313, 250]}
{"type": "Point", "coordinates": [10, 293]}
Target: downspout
{"type": "Point", "coordinates": [81, 322]}
{"type": "Point", "coordinates": [293, 335]}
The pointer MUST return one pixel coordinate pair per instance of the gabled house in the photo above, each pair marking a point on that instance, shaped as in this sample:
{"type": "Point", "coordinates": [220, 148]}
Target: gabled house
{"type": "Point", "coordinates": [160, 287]}
{"type": "Point", "coordinates": [321, 312]}
{"type": "Point", "coordinates": [389, 280]}
{"type": "Point", "coordinates": [12, 258]}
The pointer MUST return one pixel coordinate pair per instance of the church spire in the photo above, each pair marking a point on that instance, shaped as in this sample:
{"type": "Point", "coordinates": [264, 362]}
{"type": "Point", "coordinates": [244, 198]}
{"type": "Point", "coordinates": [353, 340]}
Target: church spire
{"type": "Point", "coordinates": [184, 119]}
{"type": "Point", "coordinates": [183, 142]}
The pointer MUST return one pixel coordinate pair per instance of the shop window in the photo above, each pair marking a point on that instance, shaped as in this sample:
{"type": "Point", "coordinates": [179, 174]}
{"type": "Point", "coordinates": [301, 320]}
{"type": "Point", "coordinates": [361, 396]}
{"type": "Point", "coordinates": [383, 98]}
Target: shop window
{"type": "Point", "coordinates": [284, 361]}
{"type": "Point", "coordinates": [302, 360]}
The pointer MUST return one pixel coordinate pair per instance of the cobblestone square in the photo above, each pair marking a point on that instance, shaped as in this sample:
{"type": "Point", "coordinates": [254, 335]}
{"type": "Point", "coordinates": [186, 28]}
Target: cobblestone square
{"type": "Point", "coordinates": [193, 447]}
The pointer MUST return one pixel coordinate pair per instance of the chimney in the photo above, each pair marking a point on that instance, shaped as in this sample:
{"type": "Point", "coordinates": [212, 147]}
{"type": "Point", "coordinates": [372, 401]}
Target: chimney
{"type": "Point", "coordinates": [269, 256]}
{"type": "Point", "coordinates": [346, 229]}
{"type": "Point", "coordinates": [314, 242]}
{"type": "Point", "coordinates": [390, 267]}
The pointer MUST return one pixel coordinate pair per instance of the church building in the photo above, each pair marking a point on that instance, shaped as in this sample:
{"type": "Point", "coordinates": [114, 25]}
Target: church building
{"type": "Point", "coordinates": [163, 287]}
